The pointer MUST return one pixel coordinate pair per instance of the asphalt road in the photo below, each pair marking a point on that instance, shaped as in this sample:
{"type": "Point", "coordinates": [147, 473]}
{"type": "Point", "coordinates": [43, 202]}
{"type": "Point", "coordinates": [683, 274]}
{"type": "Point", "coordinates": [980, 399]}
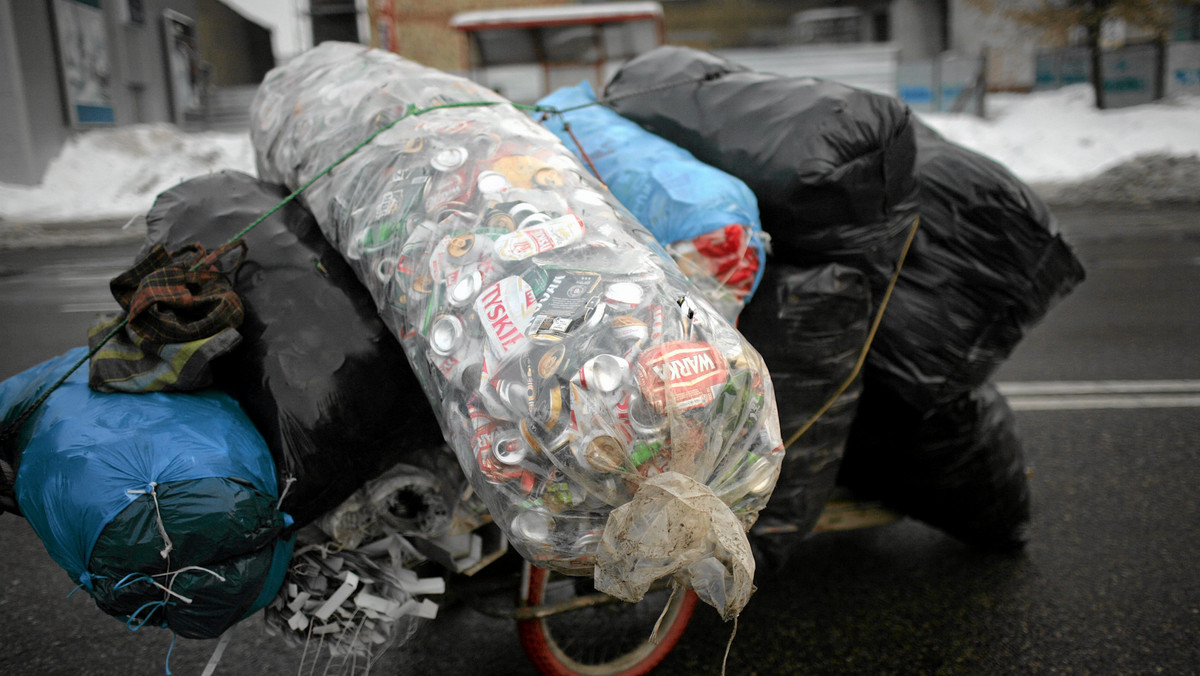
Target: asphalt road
{"type": "Point", "coordinates": [1109, 584]}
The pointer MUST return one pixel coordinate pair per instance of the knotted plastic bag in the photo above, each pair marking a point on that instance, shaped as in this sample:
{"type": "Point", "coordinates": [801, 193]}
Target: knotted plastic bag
{"type": "Point", "coordinates": [162, 506]}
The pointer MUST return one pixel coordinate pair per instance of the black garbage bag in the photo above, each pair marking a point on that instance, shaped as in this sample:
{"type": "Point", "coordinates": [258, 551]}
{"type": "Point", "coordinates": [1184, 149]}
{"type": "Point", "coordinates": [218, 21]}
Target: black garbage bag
{"type": "Point", "coordinates": [959, 468]}
{"type": "Point", "coordinates": [810, 325]}
{"type": "Point", "coordinates": [987, 264]}
{"type": "Point", "coordinates": [318, 373]}
{"type": "Point", "coordinates": [831, 165]}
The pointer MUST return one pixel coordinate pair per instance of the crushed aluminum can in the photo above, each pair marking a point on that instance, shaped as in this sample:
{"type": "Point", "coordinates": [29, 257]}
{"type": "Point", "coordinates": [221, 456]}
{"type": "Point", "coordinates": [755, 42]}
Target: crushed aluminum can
{"type": "Point", "coordinates": [680, 374]}
{"type": "Point", "coordinates": [500, 220]}
{"type": "Point", "coordinates": [548, 178]}
{"type": "Point", "coordinates": [624, 296]}
{"type": "Point", "coordinates": [450, 191]}
{"type": "Point", "coordinates": [644, 420]}
{"type": "Point", "coordinates": [445, 334]}
{"type": "Point", "coordinates": [533, 526]}
{"type": "Point", "coordinates": [509, 448]}
{"type": "Point", "coordinates": [532, 220]}
{"type": "Point", "coordinates": [390, 216]}
{"type": "Point", "coordinates": [567, 302]}
{"type": "Point", "coordinates": [519, 211]}
{"type": "Point", "coordinates": [483, 146]}
{"type": "Point", "coordinates": [449, 158]}
{"type": "Point", "coordinates": [540, 238]}
{"type": "Point", "coordinates": [465, 290]}
{"type": "Point", "coordinates": [554, 360]}
{"type": "Point", "coordinates": [491, 182]}
{"type": "Point", "coordinates": [602, 453]}
{"type": "Point", "coordinates": [604, 373]}
{"type": "Point", "coordinates": [525, 171]}
{"type": "Point", "coordinates": [505, 309]}
{"type": "Point", "coordinates": [630, 328]}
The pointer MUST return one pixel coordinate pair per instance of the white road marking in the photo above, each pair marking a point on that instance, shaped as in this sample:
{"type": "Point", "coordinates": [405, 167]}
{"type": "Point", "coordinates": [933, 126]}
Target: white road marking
{"type": "Point", "coordinates": [110, 306]}
{"type": "Point", "coordinates": [1101, 394]}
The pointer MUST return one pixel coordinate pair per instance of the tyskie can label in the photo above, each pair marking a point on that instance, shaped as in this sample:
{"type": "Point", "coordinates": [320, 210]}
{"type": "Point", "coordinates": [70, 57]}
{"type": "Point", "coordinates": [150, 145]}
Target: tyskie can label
{"type": "Point", "coordinates": [506, 308]}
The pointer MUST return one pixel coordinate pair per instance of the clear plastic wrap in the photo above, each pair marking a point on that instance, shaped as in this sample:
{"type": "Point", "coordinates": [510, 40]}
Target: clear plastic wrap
{"type": "Point", "coordinates": [567, 358]}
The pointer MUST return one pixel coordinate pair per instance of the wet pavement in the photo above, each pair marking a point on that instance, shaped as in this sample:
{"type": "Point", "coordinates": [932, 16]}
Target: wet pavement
{"type": "Point", "coordinates": [1109, 583]}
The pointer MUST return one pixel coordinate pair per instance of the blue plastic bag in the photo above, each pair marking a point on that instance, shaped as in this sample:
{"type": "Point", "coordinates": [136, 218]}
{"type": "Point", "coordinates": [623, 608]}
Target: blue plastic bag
{"type": "Point", "coordinates": [677, 197]}
{"type": "Point", "coordinates": [126, 491]}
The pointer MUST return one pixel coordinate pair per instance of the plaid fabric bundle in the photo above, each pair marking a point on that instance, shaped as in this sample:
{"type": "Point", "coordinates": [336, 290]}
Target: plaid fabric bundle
{"type": "Point", "coordinates": [181, 312]}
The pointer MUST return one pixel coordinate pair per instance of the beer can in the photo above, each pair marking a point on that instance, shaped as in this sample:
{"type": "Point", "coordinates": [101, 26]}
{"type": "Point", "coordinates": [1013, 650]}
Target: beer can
{"type": "Point", "coordinates": [491, 182]}
{"type": "Point", "coordinates": [484, 146]}
{"type": "Point", "coordinates": [550, 404]}
{"type": "Point", "coordinates": [445, 334]}
{"type": "Point", "coordinates": [449, 158]}
{"type": "Point", "coordinates": [505, 309]}
{"type": "Point", "coordinates": [604, 373]}
{"type": "Point", "coordinates": [464, 291]}
{"type": "Point", "coordinates": [553, 360]}
{"type": "Point", "coordinates": [532, 220]}
{"type": "Point", "coordinates": [540, 238]}
{"type": "Point", "coordinates": [602, 453]}
{"type": "Point", "coordinates": [682, 374]}
{"type": "Point", "coordinates": [567, 291]}
{"type": "Point", "coordinates": [519, 211]}
{"type": "Point", "coordinates": [548, 178]}
{"type": "Point", "coordinates": [451, 190]}
{"type": "Point", "coordinates": [624, 296]}
{"type": "Point", "coordinates": [509, 448]}
{"type": "Point", "coordinates": [644, 420]}
{"type": "Point", "coordinates": [629, 328]}
{"type": "Point", "coordinates": [499, 219]}
{"type": "Point", "coordinates": [532, 526]}
{"type": "Point", "coordinates": [523, 171]}
{"type": "Point", "coordinates": [760, 475]}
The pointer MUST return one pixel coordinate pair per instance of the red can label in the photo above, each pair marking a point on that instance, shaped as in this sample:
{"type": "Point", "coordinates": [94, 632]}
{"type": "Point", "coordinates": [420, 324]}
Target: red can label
{"type": "Point", "coordinates": [690, 370]}
{"type": "Point", "coordinates": [506, 308]}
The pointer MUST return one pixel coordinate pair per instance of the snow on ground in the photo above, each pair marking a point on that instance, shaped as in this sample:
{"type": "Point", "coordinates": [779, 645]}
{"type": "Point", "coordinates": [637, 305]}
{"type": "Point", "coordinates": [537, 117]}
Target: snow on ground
{"type": "Point", "coordinates": [1060, 136]}
{"type": "Point", "coordinates": [1043, 137]}
{"type": "Point", "coordinates": [116, 173]}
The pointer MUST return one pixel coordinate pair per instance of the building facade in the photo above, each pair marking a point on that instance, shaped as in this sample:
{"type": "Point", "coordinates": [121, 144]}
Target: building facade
{"type": "Point", "coordinates": [67, 66]}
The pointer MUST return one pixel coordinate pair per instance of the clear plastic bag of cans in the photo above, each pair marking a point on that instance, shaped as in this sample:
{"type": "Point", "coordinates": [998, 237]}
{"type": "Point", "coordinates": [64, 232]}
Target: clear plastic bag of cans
{"type": "Point", "coordinates": [568, 359]}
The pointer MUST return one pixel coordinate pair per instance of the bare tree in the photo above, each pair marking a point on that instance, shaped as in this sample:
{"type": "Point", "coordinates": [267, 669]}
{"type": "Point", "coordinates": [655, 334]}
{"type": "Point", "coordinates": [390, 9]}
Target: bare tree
{"type": "Point", "coordinates": [1058, 18]}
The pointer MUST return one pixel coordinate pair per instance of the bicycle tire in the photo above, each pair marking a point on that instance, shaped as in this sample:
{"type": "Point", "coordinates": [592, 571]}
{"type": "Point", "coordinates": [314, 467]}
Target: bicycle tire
{"type": "Point", "coordinates": [578, 642]}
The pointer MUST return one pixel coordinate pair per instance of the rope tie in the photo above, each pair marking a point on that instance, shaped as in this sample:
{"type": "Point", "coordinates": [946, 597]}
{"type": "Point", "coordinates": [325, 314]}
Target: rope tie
{"type": "Point", "coordinates": [862, 355]}
{"type": "Point", "coordinates": [283, 493]}
{"type": "Point", "coordinates": [158, 521]}
{"type": "Point", "coordinates": [655, 638]}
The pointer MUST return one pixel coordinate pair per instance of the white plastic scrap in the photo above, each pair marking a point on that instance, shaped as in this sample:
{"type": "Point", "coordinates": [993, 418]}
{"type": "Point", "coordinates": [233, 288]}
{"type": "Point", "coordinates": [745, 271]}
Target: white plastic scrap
{"type": "Point", "coordinates": [356, 601]}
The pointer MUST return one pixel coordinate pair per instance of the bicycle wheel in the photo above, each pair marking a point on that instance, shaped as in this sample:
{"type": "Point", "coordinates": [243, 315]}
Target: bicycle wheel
{"type": "Point", "coordinates": [608, 639]}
